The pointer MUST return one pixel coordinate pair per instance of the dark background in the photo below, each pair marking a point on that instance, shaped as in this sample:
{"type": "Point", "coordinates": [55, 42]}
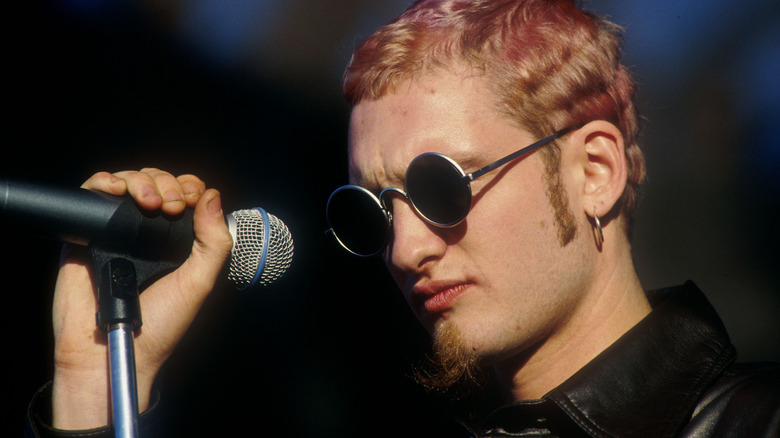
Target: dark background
{"type": "Point", "coordinates": [246, 94]}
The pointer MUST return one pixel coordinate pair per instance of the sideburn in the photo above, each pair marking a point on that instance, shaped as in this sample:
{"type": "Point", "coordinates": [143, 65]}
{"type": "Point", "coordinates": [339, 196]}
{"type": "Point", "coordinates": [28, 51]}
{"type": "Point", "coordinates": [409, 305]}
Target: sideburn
{"type": "Point", "coordinates": [556, 194]}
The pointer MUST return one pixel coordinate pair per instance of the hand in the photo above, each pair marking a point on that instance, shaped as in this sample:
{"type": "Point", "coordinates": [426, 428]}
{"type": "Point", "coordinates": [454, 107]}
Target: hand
{"type": "Point", "coordinates": [81, 389]}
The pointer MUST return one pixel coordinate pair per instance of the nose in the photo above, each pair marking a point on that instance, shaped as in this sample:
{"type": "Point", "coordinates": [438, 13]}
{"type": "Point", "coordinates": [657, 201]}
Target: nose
{"type": "Point", "coordinates": [415, 243]}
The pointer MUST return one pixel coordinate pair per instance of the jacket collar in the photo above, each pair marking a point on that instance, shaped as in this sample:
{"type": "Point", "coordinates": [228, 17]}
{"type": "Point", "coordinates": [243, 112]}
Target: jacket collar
{"type": "Point", "coordinates": [648, 381]}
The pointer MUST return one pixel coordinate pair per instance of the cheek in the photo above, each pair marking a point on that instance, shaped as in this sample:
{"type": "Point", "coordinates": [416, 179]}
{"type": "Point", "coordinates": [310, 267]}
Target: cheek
{"type": "Point", "coordinates": [513, 237]}
{"type": "Point", "coordinates": [513, 222]}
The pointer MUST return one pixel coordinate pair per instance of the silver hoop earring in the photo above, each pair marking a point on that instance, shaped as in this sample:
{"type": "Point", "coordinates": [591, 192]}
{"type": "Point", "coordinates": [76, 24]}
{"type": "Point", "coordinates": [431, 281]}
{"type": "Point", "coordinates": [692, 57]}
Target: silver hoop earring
{"type": "Point", "coordinates": [599, 232]}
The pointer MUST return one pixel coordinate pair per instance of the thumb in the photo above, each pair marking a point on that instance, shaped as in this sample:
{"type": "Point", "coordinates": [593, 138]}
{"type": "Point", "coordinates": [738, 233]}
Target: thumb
{"type": "Point", "coordinates": [170, 305]}
{"type": "Point", "coordinates": [210, 249]}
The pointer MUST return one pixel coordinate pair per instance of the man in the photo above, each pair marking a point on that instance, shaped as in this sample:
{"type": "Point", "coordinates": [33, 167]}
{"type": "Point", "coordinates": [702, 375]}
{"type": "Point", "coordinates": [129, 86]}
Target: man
{"type": "Point", "coordinates": [536, 283]}
{"type": "Point", "coordinates": [520, 268]}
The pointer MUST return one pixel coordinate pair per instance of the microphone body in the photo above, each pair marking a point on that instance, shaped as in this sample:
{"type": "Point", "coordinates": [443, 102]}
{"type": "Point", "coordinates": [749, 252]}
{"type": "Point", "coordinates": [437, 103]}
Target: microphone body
{"type": "Point", "coordinates": [262, 245]}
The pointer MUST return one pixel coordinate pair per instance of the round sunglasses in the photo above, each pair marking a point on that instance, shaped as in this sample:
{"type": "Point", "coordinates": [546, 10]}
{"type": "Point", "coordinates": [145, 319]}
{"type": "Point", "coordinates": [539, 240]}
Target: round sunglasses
{"type": "Point", "coordinates": [436, 187]}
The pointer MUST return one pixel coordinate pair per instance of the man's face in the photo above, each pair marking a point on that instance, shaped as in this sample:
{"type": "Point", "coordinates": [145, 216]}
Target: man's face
{"type": "Point", "coordinates": [501, 278]}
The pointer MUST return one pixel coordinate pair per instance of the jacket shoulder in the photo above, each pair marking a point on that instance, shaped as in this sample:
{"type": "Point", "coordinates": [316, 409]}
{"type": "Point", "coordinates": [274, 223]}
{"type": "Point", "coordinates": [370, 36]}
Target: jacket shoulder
{"type": "Point", "coordinates": [744, 401]}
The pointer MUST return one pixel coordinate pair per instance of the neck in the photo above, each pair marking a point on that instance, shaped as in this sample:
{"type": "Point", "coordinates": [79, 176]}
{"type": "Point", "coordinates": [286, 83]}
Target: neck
{"type": "Point", "coordinates": [612, 304]}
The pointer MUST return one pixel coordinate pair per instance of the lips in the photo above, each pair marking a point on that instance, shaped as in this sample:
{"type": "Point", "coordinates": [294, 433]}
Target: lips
{"type": "Point", "coordinates": [436, 297]}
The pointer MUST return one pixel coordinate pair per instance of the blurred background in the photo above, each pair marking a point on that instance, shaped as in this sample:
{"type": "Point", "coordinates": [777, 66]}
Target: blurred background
{"type": "Point", "coordinates": [246, 94]}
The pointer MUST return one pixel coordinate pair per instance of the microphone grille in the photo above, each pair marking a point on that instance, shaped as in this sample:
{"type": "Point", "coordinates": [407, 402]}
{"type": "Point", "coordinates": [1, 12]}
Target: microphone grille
{"type": "Point", "coordinates": [262, 248]}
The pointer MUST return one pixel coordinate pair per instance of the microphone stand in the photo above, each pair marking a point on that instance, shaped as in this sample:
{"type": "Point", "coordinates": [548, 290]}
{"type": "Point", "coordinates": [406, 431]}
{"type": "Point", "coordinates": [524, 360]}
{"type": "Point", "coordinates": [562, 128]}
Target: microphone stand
{"type": "Point", "coordinates": [124, 392]}
{"type": "Point", "coordinates": [119, 314]}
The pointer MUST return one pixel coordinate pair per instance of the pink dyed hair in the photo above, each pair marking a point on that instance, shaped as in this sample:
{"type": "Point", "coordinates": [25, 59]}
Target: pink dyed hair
{"type": "Point", "coordinates": [551, 64]}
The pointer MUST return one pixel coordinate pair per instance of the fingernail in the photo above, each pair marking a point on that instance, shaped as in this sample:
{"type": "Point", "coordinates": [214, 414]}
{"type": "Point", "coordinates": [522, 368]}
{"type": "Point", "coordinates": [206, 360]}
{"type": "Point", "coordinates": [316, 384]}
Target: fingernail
{"type": "Point", "coordinates": [215, 206]}
{"type": "Point", "coordinates": [171, 196]}
{"type": "Point", "coordinates": [191, 193]}
{"type": "Point", "coordinates": [149, 191]}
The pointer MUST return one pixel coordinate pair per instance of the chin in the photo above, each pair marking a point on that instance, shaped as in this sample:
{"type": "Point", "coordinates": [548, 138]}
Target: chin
{"type": "Point", "coordinates": [492, 347]}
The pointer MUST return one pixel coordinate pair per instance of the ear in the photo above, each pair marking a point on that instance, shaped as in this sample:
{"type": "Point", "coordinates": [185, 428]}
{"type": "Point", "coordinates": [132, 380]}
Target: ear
{"type": "Point", "coordinates": [601, 157]}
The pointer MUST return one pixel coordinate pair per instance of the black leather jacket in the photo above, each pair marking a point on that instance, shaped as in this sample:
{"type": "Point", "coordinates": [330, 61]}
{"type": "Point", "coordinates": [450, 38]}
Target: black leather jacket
{"type": "Point", "coordinates": [672, 375]}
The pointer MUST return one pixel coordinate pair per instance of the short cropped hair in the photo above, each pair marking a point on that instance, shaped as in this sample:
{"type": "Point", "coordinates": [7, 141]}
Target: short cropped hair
{"type": "Point", "coordinates": [550, 63]}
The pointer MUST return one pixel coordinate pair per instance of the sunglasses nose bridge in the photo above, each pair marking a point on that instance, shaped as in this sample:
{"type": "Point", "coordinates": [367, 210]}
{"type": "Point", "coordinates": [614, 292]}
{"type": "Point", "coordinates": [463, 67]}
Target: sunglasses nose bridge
{"type": "Point", "coordinates": [386, 200]}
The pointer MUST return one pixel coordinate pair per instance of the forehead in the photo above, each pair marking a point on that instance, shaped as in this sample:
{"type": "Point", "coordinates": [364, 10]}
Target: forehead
{"type": "Point", "coordinates": [451, 114]}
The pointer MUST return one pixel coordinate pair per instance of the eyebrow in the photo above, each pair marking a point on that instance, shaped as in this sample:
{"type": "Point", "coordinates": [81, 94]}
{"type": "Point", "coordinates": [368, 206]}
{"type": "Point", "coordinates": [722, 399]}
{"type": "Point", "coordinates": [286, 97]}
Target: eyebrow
{"type": "Point", "coordinates": [374, 184]}
{"type": "Point", "coordinates": [470, 161]}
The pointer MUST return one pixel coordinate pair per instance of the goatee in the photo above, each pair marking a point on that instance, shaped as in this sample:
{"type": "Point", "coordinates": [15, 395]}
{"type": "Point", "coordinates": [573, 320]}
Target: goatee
{"type": "Point", "coordinates": [454, 369]}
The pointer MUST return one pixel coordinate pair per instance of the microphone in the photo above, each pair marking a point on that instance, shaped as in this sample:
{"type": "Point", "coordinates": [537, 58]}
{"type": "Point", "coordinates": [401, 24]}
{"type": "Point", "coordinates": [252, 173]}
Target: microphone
{"type": "Point", "coordinates": [262, 244]}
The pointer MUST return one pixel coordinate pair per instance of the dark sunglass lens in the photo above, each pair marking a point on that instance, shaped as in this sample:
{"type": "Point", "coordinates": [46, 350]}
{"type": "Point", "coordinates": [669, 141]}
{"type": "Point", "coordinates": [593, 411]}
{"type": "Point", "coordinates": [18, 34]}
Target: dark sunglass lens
{"type": "Point", "coordinates": [357, 220]}
{"type": "Point", "coordinates": [438, 190]}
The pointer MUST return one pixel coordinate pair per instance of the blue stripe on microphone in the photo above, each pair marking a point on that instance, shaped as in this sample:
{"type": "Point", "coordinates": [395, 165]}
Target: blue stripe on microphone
{"type": "Point", "coordinates": [266, 241]}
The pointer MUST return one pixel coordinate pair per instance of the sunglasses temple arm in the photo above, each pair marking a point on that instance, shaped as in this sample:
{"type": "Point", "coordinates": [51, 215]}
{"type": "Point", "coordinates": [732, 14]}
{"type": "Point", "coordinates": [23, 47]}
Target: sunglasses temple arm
{"type": "Point", "coordinates": [496, 164]}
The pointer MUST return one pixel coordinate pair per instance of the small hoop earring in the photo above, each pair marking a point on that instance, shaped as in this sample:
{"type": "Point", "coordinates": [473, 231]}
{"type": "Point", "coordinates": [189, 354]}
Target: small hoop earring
{"type": "Point", "coordinates": [599, 232]}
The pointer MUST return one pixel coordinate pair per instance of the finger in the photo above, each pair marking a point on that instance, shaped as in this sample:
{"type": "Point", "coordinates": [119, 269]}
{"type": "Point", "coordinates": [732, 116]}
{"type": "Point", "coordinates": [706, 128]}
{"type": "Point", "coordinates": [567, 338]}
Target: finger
{"type": "Point", "coordinates": [169, 190]}
{"type": "Point", "coordinates": [155, 189]}
{"type": "Point", "coordinates": [142, 188]}
{"type": "Point", "coordinates": [106, 182]}
{"type": "Point", "coordinates": [192, 187]}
